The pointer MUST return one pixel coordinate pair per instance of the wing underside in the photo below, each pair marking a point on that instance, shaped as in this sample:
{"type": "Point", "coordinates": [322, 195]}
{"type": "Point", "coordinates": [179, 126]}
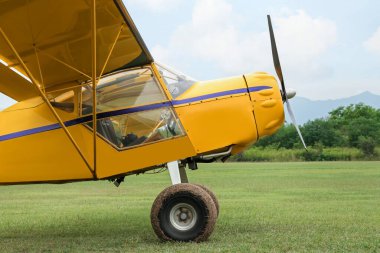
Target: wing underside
{"type": "Point", "coordinates": [53, 38]}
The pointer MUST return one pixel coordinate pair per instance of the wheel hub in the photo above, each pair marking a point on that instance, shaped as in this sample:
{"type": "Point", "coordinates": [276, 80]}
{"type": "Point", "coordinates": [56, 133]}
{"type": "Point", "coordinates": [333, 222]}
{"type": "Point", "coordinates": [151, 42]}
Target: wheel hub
{"type": "Point", "coordinates": [183, 216]}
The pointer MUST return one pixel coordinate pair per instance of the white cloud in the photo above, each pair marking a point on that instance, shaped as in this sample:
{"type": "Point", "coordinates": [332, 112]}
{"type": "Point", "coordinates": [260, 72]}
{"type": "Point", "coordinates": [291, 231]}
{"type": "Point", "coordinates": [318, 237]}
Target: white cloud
{"type": "Point", "coordinates": [156, 5]}
{"type": "Point", "coordinates": [214, 36]}
{"type": "Point", "coordinates": [304, 38]}
{"type": "Point", "coordinates": [373, 43]}
{"type": "Point", "coordinates": [302, 41]}
{"type": "Point", "coordinates": [210, 36]}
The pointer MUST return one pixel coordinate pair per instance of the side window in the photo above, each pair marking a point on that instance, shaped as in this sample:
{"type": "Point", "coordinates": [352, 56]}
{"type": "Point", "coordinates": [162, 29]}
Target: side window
{"type": "Point", "coordinates": [139, 128]}
{"type": "Point", "coordinates": [125, 129]}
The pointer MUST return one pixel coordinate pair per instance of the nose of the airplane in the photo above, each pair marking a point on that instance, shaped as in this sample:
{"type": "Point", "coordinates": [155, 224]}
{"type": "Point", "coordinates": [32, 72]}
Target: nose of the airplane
{"type": "Point", "coordinates": [267, 102]}
{"type": "Point", "coordinates": [217, 114]}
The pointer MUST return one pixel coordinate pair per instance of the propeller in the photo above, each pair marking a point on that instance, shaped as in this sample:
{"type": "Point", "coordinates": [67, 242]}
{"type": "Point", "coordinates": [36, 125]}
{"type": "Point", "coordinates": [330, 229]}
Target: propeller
{"type": "Point", "coordinates": [277, 66]}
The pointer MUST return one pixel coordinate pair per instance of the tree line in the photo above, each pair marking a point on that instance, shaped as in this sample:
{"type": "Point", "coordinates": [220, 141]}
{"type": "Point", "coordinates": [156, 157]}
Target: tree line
{"type": "Point", "coordinates": [354, 126]}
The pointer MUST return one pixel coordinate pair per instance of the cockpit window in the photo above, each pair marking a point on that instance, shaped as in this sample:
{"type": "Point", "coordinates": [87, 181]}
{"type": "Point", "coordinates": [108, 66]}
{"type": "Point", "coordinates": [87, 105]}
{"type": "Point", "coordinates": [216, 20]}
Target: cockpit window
{"type": "Point", "coordinates": [131, 88]}
{"type": "Point", "coordinates": [130, 130]}
{"type": "Point", "coordinates": [123, 89]}
{"type": "Point", "coordinates": [177, 83]}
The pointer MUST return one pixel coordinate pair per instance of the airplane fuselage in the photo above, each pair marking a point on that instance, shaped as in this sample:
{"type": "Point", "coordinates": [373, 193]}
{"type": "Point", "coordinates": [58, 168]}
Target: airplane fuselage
{"type": "Point", "coordinates": [209, 117]}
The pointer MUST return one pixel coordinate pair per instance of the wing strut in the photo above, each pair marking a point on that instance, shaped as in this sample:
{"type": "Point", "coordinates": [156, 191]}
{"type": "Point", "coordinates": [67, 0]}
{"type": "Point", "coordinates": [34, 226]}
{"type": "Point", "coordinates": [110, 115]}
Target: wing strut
{"type": "Point", "coordinates": [94, 81]}
{"type": "Point", "coordinates": [110, 52]}
{"type": "Point", "coordinates": [37, 86]}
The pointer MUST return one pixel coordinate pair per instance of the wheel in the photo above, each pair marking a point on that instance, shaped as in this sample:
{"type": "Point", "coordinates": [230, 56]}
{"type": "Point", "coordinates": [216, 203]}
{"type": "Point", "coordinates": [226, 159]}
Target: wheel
{"type": "Point", "coordinates": [183, 212]}
{"type": "Point", "coordinates": [213, 196]}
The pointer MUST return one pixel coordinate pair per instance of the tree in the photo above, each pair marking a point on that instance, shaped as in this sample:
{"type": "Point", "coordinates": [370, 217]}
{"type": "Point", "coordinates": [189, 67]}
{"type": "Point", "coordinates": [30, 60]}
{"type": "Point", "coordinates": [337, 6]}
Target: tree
{"type": "Point", "coordinates": [351, 126]}
{"type": "Point", "coordinates": [357, 120]}
{"type": "Point", "coordinates": [321, 131]}
{"type": "Point", "coordinates": [286, 137]}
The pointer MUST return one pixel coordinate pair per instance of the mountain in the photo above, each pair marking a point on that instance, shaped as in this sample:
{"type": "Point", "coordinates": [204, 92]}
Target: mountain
{"type": "Point", "coordinates": [306, 109]}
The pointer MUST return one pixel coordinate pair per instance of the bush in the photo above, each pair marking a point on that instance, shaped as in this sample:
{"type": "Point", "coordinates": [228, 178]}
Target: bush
{"type": "Point", "coordinates": [316, 153]}
{"type": "Point", "coordinates": [311, 155]}
{"type": "Point", "coordinates": [342, 154]}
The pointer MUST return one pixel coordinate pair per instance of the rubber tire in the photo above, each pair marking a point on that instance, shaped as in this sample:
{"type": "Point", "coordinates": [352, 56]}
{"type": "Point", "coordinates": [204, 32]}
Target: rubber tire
{"type": "Point", "coordinates": [213, 196]}
{"type": "Point", "coordinates": [183, 193]}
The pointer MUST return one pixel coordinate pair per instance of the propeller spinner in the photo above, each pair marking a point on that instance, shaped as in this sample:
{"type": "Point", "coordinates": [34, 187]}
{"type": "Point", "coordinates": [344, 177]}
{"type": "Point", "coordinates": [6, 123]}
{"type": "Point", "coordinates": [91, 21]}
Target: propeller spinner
{"type": "Point", "coordinates": [277, 66]}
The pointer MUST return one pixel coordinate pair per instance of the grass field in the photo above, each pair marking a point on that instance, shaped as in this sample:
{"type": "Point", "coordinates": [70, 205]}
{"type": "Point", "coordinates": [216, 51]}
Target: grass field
{"type": "Point", "coordinates": [265, 207]}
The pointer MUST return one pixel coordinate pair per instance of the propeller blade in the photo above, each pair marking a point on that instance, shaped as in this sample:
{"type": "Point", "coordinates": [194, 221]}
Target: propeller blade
{"type": "Point", "coordinates": [293, 118]}
{"type": "Point", "coordinates": [276, 58]}
{"type": "Point", "coordinates": [277, 66]}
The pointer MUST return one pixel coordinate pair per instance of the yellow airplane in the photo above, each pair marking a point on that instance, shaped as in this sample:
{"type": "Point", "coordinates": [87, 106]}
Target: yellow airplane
{"type": "Point", "coordinates": [70, 63]}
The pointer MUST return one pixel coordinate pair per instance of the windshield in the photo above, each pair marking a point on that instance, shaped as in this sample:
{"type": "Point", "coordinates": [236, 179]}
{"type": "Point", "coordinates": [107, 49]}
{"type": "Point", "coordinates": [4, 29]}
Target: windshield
{"type": "Point", "coordinates": [176, 82]}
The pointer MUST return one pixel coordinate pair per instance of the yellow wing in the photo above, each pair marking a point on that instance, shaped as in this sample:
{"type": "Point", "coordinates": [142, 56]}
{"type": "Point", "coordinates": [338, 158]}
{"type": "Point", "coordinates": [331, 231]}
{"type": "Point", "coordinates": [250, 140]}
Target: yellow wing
{"type": "Point", "coordinates": [53, 38]}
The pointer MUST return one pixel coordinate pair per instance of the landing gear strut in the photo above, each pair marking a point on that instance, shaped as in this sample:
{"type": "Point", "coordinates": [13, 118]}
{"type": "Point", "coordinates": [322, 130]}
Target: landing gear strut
{"type": "Point", "coordinates": [183, 211]}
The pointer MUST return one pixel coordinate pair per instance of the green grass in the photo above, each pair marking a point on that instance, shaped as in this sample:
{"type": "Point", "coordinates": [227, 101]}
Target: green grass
{"type": "Point", "coordinates": [265, 207]}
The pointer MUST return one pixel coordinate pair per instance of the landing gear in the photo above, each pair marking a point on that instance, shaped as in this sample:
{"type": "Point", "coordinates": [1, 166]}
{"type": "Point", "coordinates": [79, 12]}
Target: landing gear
{"type": "Point", "coordinates": [183, 212]}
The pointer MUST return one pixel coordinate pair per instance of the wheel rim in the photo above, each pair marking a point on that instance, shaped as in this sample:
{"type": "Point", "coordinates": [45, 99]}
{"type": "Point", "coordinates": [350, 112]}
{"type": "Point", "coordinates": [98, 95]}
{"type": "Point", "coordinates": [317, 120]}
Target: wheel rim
{"type": "Point", "coordinates": [183, 216]}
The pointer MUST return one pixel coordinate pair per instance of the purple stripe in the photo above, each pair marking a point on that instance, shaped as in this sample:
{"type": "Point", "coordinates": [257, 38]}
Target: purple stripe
{"type": "Point", "coordinates": [220, 94]}
{"type": "Point", "coordinates": [78, 121]}
{"type": "Point", "coordinates": [209, 96]}
{"type": "Point", "coordinates": [83, 120]}
{"type": "Point", "coordinates": [259, 88]}
{"type": "Point", "coordinates": [133, 110]}
{"type": "Point", "coordinates": [29, 132]}
{"type": "Point", "coordinates": [103, 115]}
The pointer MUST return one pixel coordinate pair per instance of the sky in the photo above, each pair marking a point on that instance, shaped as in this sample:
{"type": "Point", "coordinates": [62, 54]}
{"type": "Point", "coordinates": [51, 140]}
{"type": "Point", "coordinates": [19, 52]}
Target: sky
{"type": "Point", "coordinates": [328, 49]}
